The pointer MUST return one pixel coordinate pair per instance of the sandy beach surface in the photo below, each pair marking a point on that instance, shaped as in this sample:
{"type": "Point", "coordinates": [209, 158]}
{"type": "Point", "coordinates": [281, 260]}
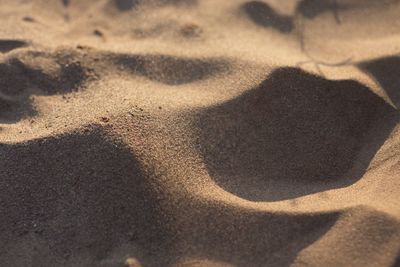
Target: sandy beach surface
{"type": "Point", "coordinates": [200, 133]}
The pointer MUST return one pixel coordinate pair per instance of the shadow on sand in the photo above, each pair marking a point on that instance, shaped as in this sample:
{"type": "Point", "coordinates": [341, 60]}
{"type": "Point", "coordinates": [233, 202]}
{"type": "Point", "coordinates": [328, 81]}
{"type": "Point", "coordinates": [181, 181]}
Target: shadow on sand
{"type": "Point", "coordinates": [293, 135]}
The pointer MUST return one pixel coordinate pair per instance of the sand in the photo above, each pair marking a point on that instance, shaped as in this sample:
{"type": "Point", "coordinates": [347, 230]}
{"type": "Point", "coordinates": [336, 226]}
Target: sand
{"type": "Point", "coordinates": [200, 133]}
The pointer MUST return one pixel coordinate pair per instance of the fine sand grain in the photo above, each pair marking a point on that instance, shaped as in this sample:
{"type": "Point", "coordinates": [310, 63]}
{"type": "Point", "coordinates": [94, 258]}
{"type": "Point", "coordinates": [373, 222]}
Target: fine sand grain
{"type": "Point", "coordinates": [199, 133]}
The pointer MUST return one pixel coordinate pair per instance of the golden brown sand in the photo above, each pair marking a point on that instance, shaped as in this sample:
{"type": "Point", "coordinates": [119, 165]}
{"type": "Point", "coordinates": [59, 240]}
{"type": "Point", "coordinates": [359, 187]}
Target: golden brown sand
{"type": "Point", "coordinates": [199, 133]}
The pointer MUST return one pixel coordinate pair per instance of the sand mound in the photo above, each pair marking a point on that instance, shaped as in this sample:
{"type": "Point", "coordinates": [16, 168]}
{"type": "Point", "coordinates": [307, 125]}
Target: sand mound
{"type": "Point", "coordinates": [199, 133]}
{"type": "Point", "coordinates": [294, 134]}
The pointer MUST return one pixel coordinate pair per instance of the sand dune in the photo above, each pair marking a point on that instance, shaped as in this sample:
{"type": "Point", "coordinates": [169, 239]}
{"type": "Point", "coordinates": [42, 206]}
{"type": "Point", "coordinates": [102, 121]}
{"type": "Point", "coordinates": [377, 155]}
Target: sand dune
{"type": "Point", "coordinates": [199, 133]}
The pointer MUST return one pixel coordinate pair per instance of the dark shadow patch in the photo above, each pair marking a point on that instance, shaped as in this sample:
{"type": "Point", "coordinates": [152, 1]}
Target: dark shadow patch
{"type": "Point", "coordinates": [14, 110]}
{"type": "Point", "coordinates": [262, 14]}
{"type": "Point", "coordinates": [190, 30]}
{"type": "Point", "coordinates": [28, 19]}
{"type": "Point", "coordinates": [65, 3]}
{"type": "Point", "coordinates": [178, 2]}
{"type": "Point", "coordinates": [71, 77]}
{"type": "Point", "coordinates": [244, 237]}
{"type": "Point", "coordinates": [397, 261]}
{"type": "Point", "coordinates": [312, 8]}
{"type": "Point", "coordinates": [98, 33]}
{"type": "Point", "coordinates": [16, 77]}
{"type": "Point", "coordinates": [8, 45]}
{"type": "Point", "coordinates": [125, 5]}
{"type": "Point", "coordinates": [293, 135]}
{"type": "Point", "coordinates": [386, 71]}
{"type": "Point", "coordinates": [5, 105]}
{"type": "Point", "coordinates": [170, 70]}
{"type": "Point", "coordinates": [80, 194]}
{"type": "Point", "coordinates": [18, 81]}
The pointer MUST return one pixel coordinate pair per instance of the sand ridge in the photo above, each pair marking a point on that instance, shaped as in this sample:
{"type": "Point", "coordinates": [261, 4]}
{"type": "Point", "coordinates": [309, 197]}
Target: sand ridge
{"type": "Point", "coordinates": [199, 133]}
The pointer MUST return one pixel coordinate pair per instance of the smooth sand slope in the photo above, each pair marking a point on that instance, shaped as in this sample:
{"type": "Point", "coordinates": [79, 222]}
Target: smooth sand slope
{"type": "Point", "coordinates": [200, 133]}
